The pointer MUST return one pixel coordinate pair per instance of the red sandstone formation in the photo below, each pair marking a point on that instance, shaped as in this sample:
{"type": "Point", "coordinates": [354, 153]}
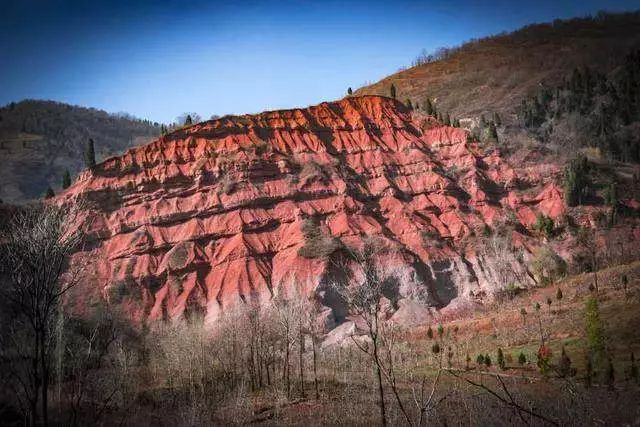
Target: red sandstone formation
{"type": "Point", "coordinates": [214, 215]}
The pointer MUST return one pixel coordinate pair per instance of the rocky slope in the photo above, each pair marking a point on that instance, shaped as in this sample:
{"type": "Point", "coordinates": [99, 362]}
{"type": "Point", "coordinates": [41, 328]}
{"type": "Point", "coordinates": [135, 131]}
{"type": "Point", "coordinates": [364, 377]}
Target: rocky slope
{"type": "Point", "coordinates": [236, 209]}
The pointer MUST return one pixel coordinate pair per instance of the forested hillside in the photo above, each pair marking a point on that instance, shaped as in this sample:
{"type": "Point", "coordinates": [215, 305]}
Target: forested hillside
{"type": "Point", "coordinates": [41, 140]}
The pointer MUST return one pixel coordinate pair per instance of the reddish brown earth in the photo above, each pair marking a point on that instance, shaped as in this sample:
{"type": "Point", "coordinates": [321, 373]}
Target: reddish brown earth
{"type": "Point", "coordinates": [212, 215]}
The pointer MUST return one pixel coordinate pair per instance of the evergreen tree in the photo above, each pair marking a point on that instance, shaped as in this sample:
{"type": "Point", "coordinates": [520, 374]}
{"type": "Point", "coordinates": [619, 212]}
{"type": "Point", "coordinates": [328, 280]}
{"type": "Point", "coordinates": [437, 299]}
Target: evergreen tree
{"type": "Point", "coordinates": [610, 374]}
{"type": "Point", "coordinates": [493, 132]}
{"type": "Point", "coordinates": [393, 91]}
{"type": "Point", "coordinates": [500, 359]}
{"type": "Point", "coordinates": [90, 155]}
{"type": "Point", "coordinates": [576, 181]}
{"type": "Point", "coordinates": [430, 333]}
{"type": "Point", "coordinates": [544, 224]}
{"type": "Point", "coordinates": [483, 122]}
{"type": "Point", "coordinates": [349, 91]}
{"type": "Point", "coordinates": [409, 105]}
{"type": "Point", "coordinates": [447, 120]}
{"type": "Point", "coordinates": [49, 193]}
{"type": "Point", "coordinates": [559, 298]}
{"type": "Point", "coordinates": [564, 368]}
{"type": "Point", "coordinates": [440, 330]}
{"type": "Point", "coordinates": [66, 180]}
{"type": "Point", "coordinates": [522, 359]}
{"type": "Point", "coordinates": [435, 348]}
{"type": "Point", "coordinates": [496, 119]}
{"type": "Point", "coordinates": [588, 375]}
{"type": "Point", "coordinates": [480, 359]}
{"type": "Point", "coordinates": [428, 107]}
{"type": "Point", "coordinates": [188, 121]}
{"type": "Point", "coordinates": [487, 361]}
{"type": "Point", "coordinates": [595, 334]}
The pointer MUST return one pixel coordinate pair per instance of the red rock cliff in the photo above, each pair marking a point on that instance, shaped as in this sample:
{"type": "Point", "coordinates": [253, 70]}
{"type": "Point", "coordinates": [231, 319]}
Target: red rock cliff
{"type": "Point", "coordinates": [214, 215]}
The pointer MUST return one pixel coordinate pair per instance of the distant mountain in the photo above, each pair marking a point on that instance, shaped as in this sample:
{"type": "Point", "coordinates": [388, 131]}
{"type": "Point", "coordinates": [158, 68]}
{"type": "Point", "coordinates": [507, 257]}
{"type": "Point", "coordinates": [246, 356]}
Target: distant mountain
{"type": "Point", "coordinates": [495, 74]}
{"type": "Point", "coordinates": [40, 140]}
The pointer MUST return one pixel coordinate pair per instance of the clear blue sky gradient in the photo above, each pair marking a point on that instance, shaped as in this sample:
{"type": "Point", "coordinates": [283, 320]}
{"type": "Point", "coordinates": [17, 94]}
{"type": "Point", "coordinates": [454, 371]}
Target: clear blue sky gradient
{"type": "Point", "coordinates": [157, 59]}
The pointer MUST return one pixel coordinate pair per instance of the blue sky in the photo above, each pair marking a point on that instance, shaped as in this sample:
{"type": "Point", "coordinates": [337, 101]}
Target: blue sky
{"type": "Point", "coordinates": [157, 59]}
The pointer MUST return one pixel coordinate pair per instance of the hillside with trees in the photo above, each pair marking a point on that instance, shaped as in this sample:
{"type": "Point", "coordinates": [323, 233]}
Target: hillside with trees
{"type": "Point", "coordinates": [43, 144]}
{"type": "Point", "coordinates": [494, 74]}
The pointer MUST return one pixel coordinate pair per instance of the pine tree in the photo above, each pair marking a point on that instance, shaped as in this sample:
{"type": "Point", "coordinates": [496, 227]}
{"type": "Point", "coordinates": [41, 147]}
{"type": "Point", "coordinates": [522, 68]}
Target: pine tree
{"type": "Point", "coordinates": [493, 132]}
{"type": "Point", "coordinates": [564, 368]}
{"type": "Point", "coordinates": [188, 121]}
{"type": "Point", "coordinates": [435, 348]}
{"type": "Point", "coordinates": [66, 180]}
{"type": "Point", "coordinates": [588, 375]}
{"type": "Point", "coordinates": [610, 374]}
{"type": "Point", "coordinates": [428, 107]}
{"type": "Point", "coordinates": [487, 361]}
{"type": "Point", "coordinates": [523, 313]}
{"type": "Point", "coordinates": [430, 333]}
{"type": "Point", "coordinates": [500, 359]}
{"type": "Point", "coordinates": [559, 298]}
{"type": "Point", "coordinates": [409, 105]}
{"type": "Point", "coordinates": [349, 91]}
{"type": "Point", "coordinates": [440, 330]}
{"type": "Point", "coordinates": [447, 120]}
{"type": "Point", "coordinates": [483, 122]}
{"type": "Point", "coordinates": [393, 91]}
{"type": "Point", "coordinates": [522, 359]}
{"type": "Point", "coordinates": [595, 334]}
{"type": "Point", "coordinates": [480, 359]}
{"type": "Point", "coordinates": [49, 193]}
{"type": "Point", "coordinates": [90, 155]}
{"type": "Point", "coordinates": [496, 119]}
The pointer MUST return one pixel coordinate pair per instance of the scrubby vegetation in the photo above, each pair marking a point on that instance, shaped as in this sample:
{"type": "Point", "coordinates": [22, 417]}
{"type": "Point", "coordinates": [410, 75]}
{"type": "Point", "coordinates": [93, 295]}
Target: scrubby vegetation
{"type": "Point", "coordinates": [274, 362]}
{"type": "Point", "coordinates": [316, 243]}
{"type": "Point", "coordinates": [590, 108]}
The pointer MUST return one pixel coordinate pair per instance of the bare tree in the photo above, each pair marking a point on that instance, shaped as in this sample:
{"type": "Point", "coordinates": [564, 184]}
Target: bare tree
{"type": "Point", "coordinates": [34, 255]}
{"type": "Point", "coordinates": [363, 298]}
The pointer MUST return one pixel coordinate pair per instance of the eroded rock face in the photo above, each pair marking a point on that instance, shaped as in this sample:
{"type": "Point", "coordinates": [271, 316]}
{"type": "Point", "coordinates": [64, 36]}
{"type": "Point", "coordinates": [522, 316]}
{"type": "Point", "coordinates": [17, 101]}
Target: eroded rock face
{"type": "Point", "coordinates": [216, 214]}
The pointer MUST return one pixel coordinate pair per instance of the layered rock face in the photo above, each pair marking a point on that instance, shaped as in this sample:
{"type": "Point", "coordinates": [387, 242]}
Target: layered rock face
{"type": "Point", "coordinates": [238, 209]}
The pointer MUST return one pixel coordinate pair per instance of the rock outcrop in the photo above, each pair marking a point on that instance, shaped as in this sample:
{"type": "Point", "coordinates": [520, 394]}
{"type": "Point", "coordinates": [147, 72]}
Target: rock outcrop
{"type": "Point", "coordinates": [236, 209]}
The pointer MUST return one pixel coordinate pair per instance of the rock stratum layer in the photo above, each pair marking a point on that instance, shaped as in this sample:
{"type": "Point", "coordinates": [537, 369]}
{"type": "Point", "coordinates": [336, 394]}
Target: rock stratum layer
{"type": "Point", "coordinates": [235, 210]}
